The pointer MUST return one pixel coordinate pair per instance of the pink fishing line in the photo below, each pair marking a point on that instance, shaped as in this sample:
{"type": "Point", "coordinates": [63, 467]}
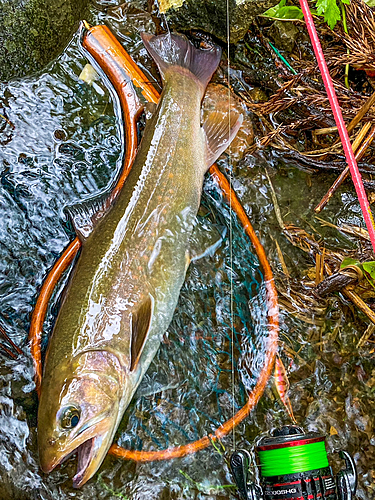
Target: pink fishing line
{"type": "Point", "coordinates": [350, 158]}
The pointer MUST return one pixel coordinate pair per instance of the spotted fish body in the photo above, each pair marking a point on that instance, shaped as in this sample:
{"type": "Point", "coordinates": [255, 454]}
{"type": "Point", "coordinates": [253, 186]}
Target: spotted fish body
{"type": "Point", "coordinates": [125, 285]}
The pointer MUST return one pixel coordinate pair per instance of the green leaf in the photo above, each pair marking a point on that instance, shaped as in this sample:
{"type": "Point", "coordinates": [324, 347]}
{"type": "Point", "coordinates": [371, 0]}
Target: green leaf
{"type": "Point", "coordinates": [272, 12]}
{"type": "Point", "coordinates": [348, 261]}
{"type": "Point", "coordinates": [330, 10]}
{"type": "Point", "coordinates": [370, 3]}
{"type": "Point", "coordinates": [282, 11]}
{"type": "Point", "coordinates": [369, 267]}
{"type": "Point", "coordinates": [292, 12]}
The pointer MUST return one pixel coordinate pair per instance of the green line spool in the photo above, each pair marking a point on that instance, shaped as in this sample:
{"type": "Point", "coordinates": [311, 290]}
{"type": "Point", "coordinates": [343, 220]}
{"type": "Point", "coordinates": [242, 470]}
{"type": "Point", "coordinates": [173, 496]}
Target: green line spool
{"type": "Point", "coordinates": [302, 456]}
{"type": "Point", "coordinates": [293, 466]}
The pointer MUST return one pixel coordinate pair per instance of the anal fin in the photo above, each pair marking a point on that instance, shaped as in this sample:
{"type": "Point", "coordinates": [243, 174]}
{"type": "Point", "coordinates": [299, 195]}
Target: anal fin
{"type": "Point", "coordinates": [220, 129]}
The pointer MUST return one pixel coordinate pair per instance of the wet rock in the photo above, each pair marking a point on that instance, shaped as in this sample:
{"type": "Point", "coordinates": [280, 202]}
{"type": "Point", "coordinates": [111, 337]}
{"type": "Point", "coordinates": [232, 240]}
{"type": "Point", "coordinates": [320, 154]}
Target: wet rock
{"type": "Point", "coordinates": [127, 21]}
{"type": "Point", "coordinates": [211, 15]}
{"type": "Point", "coordinates": [284, 34]}
{"type": "Point", "coordinates": [33, 32]}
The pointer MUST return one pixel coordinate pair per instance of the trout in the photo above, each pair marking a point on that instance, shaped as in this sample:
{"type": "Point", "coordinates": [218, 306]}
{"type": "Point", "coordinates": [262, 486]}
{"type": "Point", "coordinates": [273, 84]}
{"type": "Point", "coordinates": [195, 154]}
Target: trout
{"type": "Point", "coordinates": [125, 285]}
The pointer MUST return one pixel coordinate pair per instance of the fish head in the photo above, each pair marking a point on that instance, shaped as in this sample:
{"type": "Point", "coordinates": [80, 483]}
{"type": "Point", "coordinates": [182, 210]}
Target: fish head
{"type": "Point", "coordinates": [79, 413]}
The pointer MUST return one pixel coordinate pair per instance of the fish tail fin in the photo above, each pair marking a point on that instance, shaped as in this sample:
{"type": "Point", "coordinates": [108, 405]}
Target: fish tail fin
{"type": "Point", "coordinates": [176, 50]}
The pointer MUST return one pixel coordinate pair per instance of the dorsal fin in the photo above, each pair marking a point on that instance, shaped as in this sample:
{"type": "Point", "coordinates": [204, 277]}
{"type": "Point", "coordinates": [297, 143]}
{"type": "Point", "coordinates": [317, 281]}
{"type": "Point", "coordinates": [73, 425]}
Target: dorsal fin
{"type": "Point", "coordinates": [86, 214]}
{"type": "Point", "coordinates": [220, 129]}
{"type": "Point", "coordinates": [140, 326]}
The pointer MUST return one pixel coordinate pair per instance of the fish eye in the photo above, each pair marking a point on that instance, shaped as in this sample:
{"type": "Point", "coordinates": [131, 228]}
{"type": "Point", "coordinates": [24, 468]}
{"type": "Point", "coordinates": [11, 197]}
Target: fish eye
{"type": "Point", "coordinates": [70, 417]}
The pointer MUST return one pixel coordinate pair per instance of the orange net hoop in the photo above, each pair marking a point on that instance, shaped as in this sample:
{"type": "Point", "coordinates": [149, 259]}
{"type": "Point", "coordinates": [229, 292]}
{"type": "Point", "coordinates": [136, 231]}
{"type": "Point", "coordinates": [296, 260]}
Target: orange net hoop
{"type": "Point", "coordinates": [121, 70]}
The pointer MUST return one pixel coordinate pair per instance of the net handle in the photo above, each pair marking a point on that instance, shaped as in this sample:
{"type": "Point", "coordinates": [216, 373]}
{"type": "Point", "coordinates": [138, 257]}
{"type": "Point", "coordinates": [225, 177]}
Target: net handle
{"type": "Point", "coordinates": [108, 53]}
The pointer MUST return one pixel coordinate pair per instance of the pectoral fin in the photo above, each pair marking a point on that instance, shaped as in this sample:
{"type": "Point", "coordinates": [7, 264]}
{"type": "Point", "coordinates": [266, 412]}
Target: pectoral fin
{"type": "Point", "coordinates": [86, 214]}
{"type": "Point", "coordinates": [205, 239]}
{"type": "Point", "coordinates": [220, 129]}
{"type": "Point", "coordinates": [140, 327]}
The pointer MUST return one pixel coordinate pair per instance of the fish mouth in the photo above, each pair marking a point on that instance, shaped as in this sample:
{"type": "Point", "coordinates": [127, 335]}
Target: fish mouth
{"type": "Point", "coordinates": [91, 451]}
{"type": "Point", "coordinates": [85, 453]}
{"type": "Point", "coordinates": [90, 445]}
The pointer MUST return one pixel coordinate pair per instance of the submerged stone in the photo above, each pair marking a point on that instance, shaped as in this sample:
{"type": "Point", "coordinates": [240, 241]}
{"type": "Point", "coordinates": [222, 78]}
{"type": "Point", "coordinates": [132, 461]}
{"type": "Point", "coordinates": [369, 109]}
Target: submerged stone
{"type": "Point", "coordinates": [33, 32]}
{"type": "Point", "coordinates": [211, 15]}
{"type": "Point", "coordinates": [284, 34]}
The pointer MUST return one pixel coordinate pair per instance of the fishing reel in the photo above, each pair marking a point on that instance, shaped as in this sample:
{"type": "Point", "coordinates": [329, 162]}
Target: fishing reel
{"type": "Point", "coordinates": [293, 466]}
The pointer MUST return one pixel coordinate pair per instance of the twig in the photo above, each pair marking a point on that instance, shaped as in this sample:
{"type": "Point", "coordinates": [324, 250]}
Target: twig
{"type": "Point", "coordinates": [361, 136]}
{"type": "Point", "coordinates": [319, 266]}
{"type": "Point", "coordinates": [7, 351]}
{"type": "Point", "coordinates": [275, 203]}
{"type": "Point", "coordinates": [281, 257]}
{"type": "Point", "coordinates": [345, 25]}
{"type": "Point", "coordinates": [344, 174]}
{"type": "Point", "coordinates": [357, 301]}
{"type": "Point", "coordinates": [368, 332]}
{"type": "Point", "coordinates": [362, 306]}
{"type": "Point", "coordinates": [358, 117]}
{"type": "Point", "coordinates": [361, 113]}
{"type": "Point", "coordinates": [7, 120]}
{"type": "Point", "coordinates": [358, 232]}
{"type": "Point", "coordinates": [10, 342]}
{"type": "Point", "coordinates": [324, 131]}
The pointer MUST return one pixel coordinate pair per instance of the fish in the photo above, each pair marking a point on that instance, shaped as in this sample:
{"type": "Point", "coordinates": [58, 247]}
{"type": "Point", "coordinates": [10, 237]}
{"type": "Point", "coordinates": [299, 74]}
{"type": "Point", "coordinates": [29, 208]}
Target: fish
{"type": "Point", "coordinates": [125, 285]}
{"type": "Point", "coordinates": [282, 386]}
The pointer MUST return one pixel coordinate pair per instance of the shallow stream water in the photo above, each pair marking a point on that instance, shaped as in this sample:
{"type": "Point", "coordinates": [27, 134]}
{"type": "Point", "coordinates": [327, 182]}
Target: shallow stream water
{"type": "Point", "coordinates": [61, 144]}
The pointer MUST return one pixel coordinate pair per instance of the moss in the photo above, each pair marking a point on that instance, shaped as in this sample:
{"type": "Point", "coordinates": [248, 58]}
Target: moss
{"type": "Point", "coordinates": [33, 32]}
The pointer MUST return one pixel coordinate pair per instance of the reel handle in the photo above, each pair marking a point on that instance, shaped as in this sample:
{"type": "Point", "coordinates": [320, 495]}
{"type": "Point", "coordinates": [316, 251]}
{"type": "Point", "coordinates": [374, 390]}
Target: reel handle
{"type": "Point", "coordinates": [347, 478]}
{"type": "Point", "coordinates": [239, 464]}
